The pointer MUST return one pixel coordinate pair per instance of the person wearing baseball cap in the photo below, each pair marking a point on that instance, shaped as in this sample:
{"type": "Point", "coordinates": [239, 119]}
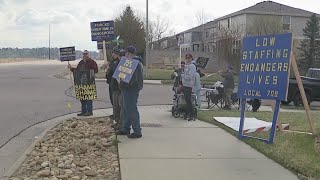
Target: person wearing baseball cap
{"type": "Point", "coordinates": [86, 64]}
{"type": "Point", "coordinates": [130, 93]}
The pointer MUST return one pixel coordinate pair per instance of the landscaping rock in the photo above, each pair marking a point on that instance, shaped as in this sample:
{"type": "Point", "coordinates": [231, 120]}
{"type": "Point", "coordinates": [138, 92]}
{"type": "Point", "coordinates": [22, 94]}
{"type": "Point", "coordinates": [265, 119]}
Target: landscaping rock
{"type": "Point", "coordinates": [73, 150]}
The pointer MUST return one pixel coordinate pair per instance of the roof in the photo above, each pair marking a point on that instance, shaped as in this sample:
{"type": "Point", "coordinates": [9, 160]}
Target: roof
{"type": "Point", "coordinates": [270, 7]}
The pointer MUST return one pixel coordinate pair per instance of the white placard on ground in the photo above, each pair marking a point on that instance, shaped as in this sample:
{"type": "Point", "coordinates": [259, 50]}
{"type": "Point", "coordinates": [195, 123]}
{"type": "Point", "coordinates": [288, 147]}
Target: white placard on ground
{"type": "Point", "coordinates": [250, 124]}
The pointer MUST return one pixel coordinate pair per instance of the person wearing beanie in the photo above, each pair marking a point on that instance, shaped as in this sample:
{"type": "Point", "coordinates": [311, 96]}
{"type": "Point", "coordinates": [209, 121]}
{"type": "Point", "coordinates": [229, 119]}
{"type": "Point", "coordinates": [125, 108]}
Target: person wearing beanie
{"type": "Point", "coordinates": [109, 72]}
{"type": "Point", "coordinates": [116, 92]}
{"type": "Point", "coordinates": [130, 93]}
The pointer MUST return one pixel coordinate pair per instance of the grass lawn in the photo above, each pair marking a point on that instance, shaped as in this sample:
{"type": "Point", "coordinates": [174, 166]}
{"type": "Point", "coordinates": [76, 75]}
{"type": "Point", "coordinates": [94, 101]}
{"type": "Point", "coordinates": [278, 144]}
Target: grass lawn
{"type": "Point", "coordinates": [153, 74]}
{"type": "Point", "coordinates": [293, 151]}
{"type": "Point", "coordinates": [165, 76]}
{"type": "Point", "coordinates": [301, 107]}
{"type": "Point", "coordinates": [158, 74]}
{"type": "Point", "coordinates": [204, 80]}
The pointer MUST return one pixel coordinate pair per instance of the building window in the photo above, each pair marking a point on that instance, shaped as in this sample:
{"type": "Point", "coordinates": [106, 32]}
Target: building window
{"type": "Point", "coordinates": [207, 34]}
{"type": "Point", "coordinates": [229, 22]}
{"type": "Point", "coordinates": [219, 25]}
{"type": "Point", "coordinates": [286, 23]}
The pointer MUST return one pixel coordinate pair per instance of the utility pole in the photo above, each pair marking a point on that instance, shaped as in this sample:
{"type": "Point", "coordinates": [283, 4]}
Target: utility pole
{"type": "Point", "coordinates": [49, 42]}
{"type": "Point", "coordinates": [147, 38]}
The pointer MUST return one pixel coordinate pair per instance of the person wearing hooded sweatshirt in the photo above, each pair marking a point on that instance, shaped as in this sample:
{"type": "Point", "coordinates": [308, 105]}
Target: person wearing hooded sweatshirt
{"type": "Point", "coordinates": [188, 79]}
{"type": "Point", "coordinates": [130, 93]}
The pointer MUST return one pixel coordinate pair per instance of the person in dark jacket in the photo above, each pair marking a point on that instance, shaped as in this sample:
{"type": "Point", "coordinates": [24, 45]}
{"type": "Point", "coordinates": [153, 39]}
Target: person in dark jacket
{"type": "Point", "coordinates": [228, 86]}
{"type": "Point", "coordinates": [109, 74]}
{"type": "Point", "coordinates": [111, 67]}
{"type": "Point", "coordinates": [176, 75]}
{"type": "Point", "coordinates": [85, 64]}
{"type": "Point", "coordinates": [130, 93]}
{"type": "Point", "coordinates": [116, 92]}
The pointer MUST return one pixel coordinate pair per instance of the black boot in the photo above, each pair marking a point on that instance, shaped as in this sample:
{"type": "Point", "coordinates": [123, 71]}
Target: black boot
{"type": "Point", "coordinates": [81, 114]}
{"type": "Point", "coordinates": [88, 114]}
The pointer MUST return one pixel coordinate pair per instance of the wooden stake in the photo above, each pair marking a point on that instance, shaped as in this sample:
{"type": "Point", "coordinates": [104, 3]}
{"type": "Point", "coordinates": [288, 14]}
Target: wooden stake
{"type": "Point", "coordinates": [302, 92]}
{"type": "Point", "coordinates": [104, 53]}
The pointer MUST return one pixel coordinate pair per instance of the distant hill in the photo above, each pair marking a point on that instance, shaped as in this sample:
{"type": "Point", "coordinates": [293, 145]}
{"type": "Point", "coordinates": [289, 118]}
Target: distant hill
{"type": "Point", "coordinates": [38, 53]}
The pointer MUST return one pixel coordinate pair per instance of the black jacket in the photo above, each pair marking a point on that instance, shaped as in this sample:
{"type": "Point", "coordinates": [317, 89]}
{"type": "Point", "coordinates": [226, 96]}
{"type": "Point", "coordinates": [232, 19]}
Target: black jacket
{"type": "Point", "coordinates": [228, 82]}
{"type": "Point", "coordinates": [112, 68]}
{"type": "Point", "coordinates": [114, 83]}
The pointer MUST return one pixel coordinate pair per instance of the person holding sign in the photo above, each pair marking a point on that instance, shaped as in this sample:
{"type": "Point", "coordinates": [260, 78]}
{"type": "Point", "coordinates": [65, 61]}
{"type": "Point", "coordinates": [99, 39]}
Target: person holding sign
{"type": "Point", "coordinates": [86, 64]}
{"type": "Point", "coordinates": [130, 88]}
{"type": "Point", "coordinates": [228, 85]}
{"type": "Point", "coordinates": [188, 81]}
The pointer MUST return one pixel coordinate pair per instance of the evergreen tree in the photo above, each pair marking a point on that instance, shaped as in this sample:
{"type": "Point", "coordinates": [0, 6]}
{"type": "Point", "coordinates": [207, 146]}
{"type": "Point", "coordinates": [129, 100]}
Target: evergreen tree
{"type": "Point", "coordinates": [310, 47]}
{"type": "Point", "coordinates": [131, 30]}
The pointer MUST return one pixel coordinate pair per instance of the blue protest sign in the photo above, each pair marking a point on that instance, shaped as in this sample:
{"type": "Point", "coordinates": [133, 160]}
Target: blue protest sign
{"type": "Point", "coordinates": [125, 69]}
{"type": "Point", "coordinates": [264, 68]}
{"type": "Point", "coordinates": [102, 30]}
{"type": "Point", "coordinates": [100, 44]}
{"type": "Point", "coordinates": [67, 54]}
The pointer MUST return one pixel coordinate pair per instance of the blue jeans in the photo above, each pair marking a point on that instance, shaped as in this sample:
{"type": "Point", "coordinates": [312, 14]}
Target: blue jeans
{"type": "Point", "coordinates": [86, 106]}
{"type": "Point", "coordinates": [131, 116]}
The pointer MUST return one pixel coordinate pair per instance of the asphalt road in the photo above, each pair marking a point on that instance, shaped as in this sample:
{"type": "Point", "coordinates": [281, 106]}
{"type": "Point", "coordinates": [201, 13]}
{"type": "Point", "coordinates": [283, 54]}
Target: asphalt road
{"type": "Point", "coordinates": [29, 95]}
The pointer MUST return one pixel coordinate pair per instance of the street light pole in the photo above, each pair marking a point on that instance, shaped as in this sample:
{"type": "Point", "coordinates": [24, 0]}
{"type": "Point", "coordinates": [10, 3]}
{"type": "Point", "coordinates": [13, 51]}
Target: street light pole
{"type": "Point", "coordinates": [49, 41]}
{"type": "Point", "coordinates": [147, 38]}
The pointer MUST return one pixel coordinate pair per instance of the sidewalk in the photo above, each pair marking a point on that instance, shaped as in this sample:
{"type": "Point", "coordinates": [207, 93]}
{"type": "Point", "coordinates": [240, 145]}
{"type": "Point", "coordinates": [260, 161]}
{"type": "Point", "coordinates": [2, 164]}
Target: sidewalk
{"type": "Point", "coordinates": [170, 149]}
{"type": "Point", "coordinates": [173, 149]}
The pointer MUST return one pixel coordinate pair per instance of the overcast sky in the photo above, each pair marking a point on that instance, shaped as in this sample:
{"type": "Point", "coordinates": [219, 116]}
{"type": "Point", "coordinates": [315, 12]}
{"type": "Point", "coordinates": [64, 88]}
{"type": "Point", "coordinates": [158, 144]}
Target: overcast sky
{"type": "Point", "coordinates": [25, 23]}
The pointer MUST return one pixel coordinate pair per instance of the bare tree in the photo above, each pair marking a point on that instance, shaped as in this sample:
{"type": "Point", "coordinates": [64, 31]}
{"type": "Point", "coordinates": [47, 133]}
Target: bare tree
{"type": "Point", "coordinates": [201, 17]}
{"type": "Point", "coordinates": [157, 30]}
{"type": "Point", "coordinates": [263, 25]}
{"type": "Point", "coordinates": [151, 35]}
{"type": "Point", "coordinates": [228, 44]}
{"type": "Point", "coordinates": [161, 26]}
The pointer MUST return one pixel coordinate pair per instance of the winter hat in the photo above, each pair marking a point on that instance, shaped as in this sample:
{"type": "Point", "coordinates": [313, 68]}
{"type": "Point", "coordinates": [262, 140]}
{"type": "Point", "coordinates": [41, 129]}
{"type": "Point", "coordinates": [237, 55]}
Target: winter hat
{"type": "Point", "coordinates": [131, 49]}
{"type": "Point", "coordinates": [116, 50]}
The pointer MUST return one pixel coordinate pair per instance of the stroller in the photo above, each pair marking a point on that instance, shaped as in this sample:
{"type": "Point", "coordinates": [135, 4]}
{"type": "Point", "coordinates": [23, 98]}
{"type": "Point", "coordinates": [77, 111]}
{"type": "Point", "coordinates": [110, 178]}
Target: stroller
{"type": "Point", "coordinates": [179, 104]}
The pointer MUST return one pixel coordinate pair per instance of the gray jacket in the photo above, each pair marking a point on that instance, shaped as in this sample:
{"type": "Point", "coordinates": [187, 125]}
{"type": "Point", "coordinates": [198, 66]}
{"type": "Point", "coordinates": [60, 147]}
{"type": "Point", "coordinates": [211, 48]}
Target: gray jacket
{"type": "Point", "coordinates": [189, 75]}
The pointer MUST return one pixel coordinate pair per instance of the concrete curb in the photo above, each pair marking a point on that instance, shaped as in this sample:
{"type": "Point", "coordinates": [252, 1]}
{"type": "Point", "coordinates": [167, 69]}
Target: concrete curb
{"type": "Point", "coordinates": [24, 155]}
{"type": "Point", "coordinates": [153, 82]}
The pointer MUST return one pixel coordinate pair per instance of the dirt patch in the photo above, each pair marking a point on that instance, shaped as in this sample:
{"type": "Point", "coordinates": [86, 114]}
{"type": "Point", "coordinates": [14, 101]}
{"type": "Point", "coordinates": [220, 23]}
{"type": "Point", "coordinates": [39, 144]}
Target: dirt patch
{"type": "Point", "coordinates": [75, 149]}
